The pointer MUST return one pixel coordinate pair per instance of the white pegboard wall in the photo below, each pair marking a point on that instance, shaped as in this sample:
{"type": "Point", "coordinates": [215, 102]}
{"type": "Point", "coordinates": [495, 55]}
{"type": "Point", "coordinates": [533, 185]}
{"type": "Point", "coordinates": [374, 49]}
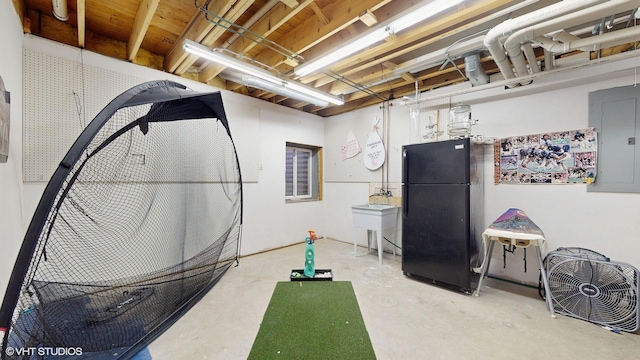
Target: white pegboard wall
{"type": "Point", "coordinates": [102, 86]}
{"type": "Point", "coordinates": [75, 93]}
{"type": "Point", "coordinates": [51, 123]}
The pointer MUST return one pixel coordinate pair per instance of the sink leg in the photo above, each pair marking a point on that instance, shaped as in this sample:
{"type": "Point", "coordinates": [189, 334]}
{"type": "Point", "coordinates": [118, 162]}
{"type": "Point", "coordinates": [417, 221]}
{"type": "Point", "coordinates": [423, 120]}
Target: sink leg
{"type": "Point", "coordinates": [379, 233]}
{"type": "Point", "coordinates": [355, 242]}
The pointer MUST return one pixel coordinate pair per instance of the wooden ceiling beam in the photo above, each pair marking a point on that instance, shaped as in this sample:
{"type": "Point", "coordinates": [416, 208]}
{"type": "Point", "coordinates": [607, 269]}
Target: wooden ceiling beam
{"type": "Point", "coordinates": [383, 14]}
{"type": "Point", "coordinates": [426, 31]}
{"type": "Point", "coordinates": [316, 9]}
{"type": "Point", "coordinates": [216, 32]}
{"type": "Point", "coordinates": [425, 79]}
{"type": "Point", "coordinates": [146, 10]}
{"type": "Point", "coordinates": [408, 77]}
{"type": "Point", "coordinates": [272, 21]}
{"type": "Point", "coordinates": [368, 100]}
{"type": "Point", "coordinates": [313, 31]}
{"type": "Point", "coordinates": [429, 29]}
{"type": "Point", "coordinates": [18, 5]}
{"type": "Point", "coordinates": [368, 18]}
{"type": "Point", "coordinates": [387, 51]}
{"type": "Point", "coordinates": [197, 29]}
{"type": "Point", "coordinates": [290, 3]}
{"type": "Point", "coordinates": [81, 14]}
{"type": "Point", "coordinates": [390, 65]}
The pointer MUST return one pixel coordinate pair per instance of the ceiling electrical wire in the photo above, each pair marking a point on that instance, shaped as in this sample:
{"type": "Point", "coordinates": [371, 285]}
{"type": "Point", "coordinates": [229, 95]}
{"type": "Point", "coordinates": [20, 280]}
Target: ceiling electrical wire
{"type": "Point", "coordinates": [384, 78]}
{"type": "Point", "coordinates": [353, 84]}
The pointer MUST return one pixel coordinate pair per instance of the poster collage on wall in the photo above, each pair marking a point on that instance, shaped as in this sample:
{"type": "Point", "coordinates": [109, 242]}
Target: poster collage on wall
{"type": "Point", "coordinates": [565, 157]}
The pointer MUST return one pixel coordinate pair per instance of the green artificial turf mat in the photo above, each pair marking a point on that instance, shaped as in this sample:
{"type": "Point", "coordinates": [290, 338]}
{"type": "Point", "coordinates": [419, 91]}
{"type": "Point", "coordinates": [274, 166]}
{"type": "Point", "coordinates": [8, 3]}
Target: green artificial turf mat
{"type": "Point", "coordinates": [312, 320]}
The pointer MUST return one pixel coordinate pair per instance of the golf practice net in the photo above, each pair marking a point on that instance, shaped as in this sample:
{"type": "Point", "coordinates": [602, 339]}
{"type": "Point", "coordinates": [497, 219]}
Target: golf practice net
{"type": "Point", "coordinates": [141, 218]}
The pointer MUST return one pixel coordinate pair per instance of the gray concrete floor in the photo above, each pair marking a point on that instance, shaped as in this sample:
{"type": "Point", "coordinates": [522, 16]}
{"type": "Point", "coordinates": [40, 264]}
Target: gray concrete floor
{"type": "Point", "coordinates": [405, 318]}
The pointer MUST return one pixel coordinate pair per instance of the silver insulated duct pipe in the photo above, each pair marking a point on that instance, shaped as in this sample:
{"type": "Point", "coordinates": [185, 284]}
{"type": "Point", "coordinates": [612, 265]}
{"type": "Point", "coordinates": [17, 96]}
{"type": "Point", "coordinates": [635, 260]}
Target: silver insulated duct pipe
{"type": "Point", "coordinates": [474, 71]}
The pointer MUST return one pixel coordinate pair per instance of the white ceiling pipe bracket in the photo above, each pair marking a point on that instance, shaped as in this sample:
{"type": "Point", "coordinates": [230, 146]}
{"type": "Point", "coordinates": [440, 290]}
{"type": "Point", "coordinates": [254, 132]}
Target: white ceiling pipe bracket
{"type": "Point", "coordinates": [506, 28]}
{"type": "Point", "coordinates": [513, 43]}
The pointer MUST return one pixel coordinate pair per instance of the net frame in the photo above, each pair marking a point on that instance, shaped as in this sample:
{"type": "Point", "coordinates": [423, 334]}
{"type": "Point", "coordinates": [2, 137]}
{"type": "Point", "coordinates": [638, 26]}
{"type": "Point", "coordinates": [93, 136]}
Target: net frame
{"type": "Point", "coordinates": [167, 102]}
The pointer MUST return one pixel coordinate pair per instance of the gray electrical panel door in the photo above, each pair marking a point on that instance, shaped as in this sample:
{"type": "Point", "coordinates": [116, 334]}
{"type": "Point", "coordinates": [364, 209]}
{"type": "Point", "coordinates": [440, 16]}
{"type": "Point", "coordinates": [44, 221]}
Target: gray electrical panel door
{"type": "Point", "coordinates": [615, 115]}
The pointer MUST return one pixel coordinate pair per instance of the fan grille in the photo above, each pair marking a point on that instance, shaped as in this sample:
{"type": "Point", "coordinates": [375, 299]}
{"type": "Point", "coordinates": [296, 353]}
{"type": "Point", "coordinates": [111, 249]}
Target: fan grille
{"type": "Point", "coordinates": [588, 286]}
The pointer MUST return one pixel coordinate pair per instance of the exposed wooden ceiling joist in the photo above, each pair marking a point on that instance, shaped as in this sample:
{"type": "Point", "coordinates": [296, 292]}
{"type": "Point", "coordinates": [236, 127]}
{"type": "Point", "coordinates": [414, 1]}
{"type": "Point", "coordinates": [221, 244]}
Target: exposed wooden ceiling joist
{"type": "Point", "coordinates": [140, 25]}
{"type": "Point", "coordinates": [81, 15]}
{"type": "Point", "coordinates": [272, 21]}
{"type": "Point", "coordinates": [283, 34]}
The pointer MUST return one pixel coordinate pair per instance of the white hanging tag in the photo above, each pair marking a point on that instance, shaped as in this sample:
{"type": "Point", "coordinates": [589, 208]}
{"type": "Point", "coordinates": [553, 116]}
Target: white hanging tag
{"type": "Point", "coordinates": [351, 148]}
{"type": "Point", "coordinates": [374, 153]}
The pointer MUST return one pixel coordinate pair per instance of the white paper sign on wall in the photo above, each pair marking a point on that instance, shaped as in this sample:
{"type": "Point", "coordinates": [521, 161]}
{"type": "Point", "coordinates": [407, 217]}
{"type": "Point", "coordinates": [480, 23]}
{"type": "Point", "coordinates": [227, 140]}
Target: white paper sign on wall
{"type": "Point", "coordinates": [374, 152]}
{"type": "Point", "coordinates": [351, 148]}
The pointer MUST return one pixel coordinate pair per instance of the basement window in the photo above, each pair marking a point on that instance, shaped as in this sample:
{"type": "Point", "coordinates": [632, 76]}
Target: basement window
{"type": "Point", "coordinates": [302, 172]}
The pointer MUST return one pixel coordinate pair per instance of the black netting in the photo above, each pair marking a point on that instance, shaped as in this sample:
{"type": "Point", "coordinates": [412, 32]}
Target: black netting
{"type": "Point", "coordinates": [141, 225]}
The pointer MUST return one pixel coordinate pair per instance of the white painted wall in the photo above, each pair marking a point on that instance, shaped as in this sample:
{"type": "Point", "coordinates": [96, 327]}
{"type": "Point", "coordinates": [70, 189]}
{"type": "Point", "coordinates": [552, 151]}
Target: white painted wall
{"type": "Point", "coordinates": [568, 214]}
{"type": "Point", "coordinates": [347, 181]}
{"type": "Point", "coordinates": [269, 222]}
{"type": "Point", "coordinates": [12, 222]}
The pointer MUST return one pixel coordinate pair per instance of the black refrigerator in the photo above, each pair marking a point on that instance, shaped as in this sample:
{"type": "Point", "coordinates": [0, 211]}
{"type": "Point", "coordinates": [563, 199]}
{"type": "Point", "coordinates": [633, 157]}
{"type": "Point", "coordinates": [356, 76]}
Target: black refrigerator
{"type": "Point", "coordinates": [442, 212]}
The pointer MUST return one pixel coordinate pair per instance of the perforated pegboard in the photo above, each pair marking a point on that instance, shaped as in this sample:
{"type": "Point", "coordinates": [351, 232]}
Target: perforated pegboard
{"type": "Point", "coordinates": [61, 97]}
{"type": "Point", "coordinates": [102, 86]}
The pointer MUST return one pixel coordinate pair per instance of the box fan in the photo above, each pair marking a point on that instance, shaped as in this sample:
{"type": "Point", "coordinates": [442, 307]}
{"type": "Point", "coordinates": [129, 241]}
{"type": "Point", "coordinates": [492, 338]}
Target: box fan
{"type": "Point", "coordinates": [589, 286]}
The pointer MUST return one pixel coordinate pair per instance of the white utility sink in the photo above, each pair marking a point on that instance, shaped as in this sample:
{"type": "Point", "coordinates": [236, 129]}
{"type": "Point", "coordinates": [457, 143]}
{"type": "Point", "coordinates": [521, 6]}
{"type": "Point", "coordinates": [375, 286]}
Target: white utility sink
{"type": "Point", "coordinates": [374, 217]}
{"type": "Point", "coordinates": [374, 207]}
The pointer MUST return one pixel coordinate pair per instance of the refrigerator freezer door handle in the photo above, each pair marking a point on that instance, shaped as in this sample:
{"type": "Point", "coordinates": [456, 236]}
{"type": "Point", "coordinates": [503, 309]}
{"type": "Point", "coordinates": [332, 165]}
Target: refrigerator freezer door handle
{"type": "Point", "coordinates": [405, 170]}
{"type": "Point", "coordinates": [405, 163]}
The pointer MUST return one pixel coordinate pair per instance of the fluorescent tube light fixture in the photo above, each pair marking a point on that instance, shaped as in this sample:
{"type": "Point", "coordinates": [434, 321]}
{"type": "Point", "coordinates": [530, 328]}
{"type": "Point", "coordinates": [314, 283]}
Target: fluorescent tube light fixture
{"type": "Point", "coordinates": [289, 88]}
{"type": "Point", "coordinates": [252, 81]}
{"type": "Point", "coordinates": [407, 19]}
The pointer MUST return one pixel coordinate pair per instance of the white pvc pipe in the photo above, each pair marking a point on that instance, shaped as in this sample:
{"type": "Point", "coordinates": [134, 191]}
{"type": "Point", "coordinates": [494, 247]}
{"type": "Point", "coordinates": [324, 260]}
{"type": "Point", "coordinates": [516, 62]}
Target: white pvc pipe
{"type": "Point", "coordinates": [531, 58]}
{"type": "Point", "coordinates": [514, 41]}
{"type": "Point", "coordinates": [548, 60]}
{"type": "Point", "coordinates": [506, 28]}
{"type": "Point", "coordinates": [527, 78]}
{"type": "Point", "coordinates": [60, 10]}
{"type": "Point", "coordinates": [430, 60]}
{"type": "Point", "coordinates": [591, 43]}
{"type": "Point", "coordinates": [565, 36]}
